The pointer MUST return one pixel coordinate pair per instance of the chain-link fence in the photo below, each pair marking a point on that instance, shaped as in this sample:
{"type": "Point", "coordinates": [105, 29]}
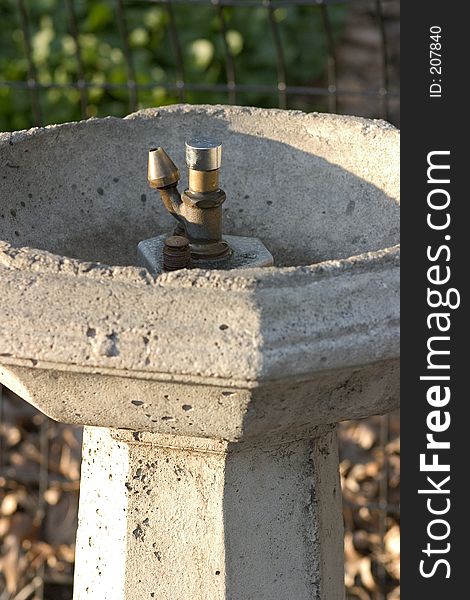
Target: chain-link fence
{"type": "Point", "coordinates": [303, 39]}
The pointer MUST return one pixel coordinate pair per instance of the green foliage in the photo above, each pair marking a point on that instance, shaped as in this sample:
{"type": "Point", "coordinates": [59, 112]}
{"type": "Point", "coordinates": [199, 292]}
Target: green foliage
{"type": "Point", "coordinates": [248, 36]}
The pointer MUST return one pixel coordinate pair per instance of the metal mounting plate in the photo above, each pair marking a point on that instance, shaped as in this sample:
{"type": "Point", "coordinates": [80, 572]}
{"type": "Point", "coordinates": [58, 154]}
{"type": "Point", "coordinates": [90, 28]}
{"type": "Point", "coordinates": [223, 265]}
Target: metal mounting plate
{"type": "Point", "coordinates": [246, 253]}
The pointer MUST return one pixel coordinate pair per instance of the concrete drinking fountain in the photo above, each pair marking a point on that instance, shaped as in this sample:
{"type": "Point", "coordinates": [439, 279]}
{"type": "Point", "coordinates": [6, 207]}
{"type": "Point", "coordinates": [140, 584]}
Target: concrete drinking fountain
{"type": "Point", "coordinates": [209, 397]}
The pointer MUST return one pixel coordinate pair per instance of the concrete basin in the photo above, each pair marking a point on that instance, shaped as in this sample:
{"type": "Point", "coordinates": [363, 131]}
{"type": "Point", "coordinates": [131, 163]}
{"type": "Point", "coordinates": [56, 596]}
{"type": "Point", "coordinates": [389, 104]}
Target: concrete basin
{"type": "Point", "coordinates": [213, 361]}
{"type": "Point", "coordinates": [320, 191]}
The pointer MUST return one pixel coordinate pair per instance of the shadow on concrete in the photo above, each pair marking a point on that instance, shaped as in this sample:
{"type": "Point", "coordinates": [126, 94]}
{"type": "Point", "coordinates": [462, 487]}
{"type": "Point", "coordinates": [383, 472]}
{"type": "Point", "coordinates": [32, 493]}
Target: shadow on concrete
{"type": "Point", "coordinates": [80, 190]}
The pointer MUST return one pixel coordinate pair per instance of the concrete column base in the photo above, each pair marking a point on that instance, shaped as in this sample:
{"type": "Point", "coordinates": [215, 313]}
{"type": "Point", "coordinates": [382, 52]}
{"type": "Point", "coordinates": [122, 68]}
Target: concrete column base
{"type": "Point", "coordinates": [174, 518]}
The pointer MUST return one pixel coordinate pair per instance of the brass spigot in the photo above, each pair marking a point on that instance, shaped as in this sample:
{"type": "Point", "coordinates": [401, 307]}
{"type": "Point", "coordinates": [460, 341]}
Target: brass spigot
{"type": "Point", "coordinates": [198, 209]}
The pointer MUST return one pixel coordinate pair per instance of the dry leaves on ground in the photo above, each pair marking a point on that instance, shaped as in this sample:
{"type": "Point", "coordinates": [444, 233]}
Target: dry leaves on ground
{"type": "Point", "coordinates": [39, 483]}
{"type": "Point", "coordinates": [370, 476]}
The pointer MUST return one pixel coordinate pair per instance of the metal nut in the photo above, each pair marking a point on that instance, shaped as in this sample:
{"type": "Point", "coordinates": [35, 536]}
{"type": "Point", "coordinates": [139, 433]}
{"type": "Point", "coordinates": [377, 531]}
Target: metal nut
{"type": "Point", "coordinates": [176, 253]}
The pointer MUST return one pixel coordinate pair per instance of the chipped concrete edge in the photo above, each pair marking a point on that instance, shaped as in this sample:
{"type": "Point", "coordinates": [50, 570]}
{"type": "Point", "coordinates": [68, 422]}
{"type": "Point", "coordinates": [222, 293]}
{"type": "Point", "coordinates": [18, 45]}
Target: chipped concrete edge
{"type": "Point", "coordinates": [214, 110]}
{"type": "Point", "coordinates": [363, 331]}
{"type": "Point", "coordinates": [357, 337]}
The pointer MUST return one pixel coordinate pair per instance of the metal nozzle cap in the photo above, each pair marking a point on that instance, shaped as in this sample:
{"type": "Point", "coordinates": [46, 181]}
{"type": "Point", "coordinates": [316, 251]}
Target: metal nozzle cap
{"type": "Point", "coordinates": [162, 171]}
{"type": "Point", "coordinates": [203, 154]}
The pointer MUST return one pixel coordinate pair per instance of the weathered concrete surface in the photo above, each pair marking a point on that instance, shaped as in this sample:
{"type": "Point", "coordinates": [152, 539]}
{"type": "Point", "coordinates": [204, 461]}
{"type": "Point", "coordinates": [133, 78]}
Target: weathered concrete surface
{"type": "Point", "coordinates": [320, 188]}
{"type": "Point", "coordinates": [201, 520]}
{"type": "Point", "coordinates": [187, 324]}
{"type": "Point", "coordinates": [234, 377]}
{"type": "Point", "coordinates": [312, 187]}
{"type": "Point", "coordinates": [231, 410]}
{"type": "Point", "coordinates": [195, 329]}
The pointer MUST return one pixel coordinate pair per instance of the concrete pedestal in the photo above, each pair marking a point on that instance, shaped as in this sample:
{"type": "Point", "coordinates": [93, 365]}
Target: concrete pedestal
{"type": "Point", "coordinates": [188, 518]}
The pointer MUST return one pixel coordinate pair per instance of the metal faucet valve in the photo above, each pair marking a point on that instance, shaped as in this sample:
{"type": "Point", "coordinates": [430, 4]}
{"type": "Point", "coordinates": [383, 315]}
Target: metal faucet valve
{"type": "Point", "coordinates": [203, 159]}
{"type": "Point", "coordinates": [198, 212]}
{"type": "Point", "coordinates": [198, 209]}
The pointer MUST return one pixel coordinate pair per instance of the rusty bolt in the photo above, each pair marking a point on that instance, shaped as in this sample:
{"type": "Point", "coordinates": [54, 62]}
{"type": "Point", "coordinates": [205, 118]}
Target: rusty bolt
{"type": "Point", "coordinates": [176, 253]}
